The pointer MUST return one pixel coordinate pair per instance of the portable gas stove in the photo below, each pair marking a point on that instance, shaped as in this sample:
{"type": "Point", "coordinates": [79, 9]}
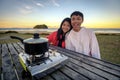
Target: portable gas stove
{"type": "Point", "coordinates": [38, 60]}
{"type": "Point", "coordinates": [40, 65]}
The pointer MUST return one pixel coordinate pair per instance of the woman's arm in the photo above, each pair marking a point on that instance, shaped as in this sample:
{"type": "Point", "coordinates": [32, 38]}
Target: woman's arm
{"type": "Point", "coordinates": [52, 38]}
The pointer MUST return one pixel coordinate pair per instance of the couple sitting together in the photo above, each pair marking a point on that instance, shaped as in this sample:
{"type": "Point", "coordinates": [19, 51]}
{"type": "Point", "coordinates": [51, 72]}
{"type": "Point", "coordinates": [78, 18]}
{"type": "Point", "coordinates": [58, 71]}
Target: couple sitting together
{"type": "Point", "coordinates": [72, 36]}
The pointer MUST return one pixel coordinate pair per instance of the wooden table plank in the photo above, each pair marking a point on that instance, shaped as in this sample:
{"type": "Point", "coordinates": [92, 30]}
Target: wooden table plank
{"type": "Point", "coordinates": [57, 75]}
{"type": "Point", "coordinates": [72, 74]}
{"type": "Point", "coordinates": [21, 45]}
{"type": "Point", "coordinates": [48, 77]}
{"type": "Point", "coordinates": [18, 48]}
{"type": "Point", "coordinates": [1, 69]}
{"type": "Point", "coordinates": [7, 64]}
{"type": "Point", "coordinates": [101, 64]}
{"type": "Point", "coordinates": [17, 64]}
{"type": "Point", "coordinates": [90, 59]}
{"type": "Point", "coordinates": [98, 67]}
{"type": "Point", "coordinates": [108, 75]}
{"type": "Point", "coordinates": [84, 71]}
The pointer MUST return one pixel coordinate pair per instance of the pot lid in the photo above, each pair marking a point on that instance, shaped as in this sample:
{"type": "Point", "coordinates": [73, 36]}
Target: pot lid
{"type": "Point", "coordinates": [36, 39]}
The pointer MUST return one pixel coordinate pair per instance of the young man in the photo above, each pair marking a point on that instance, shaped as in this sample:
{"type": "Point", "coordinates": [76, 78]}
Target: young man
{"type": "Point", "coordinates": [80, 39]}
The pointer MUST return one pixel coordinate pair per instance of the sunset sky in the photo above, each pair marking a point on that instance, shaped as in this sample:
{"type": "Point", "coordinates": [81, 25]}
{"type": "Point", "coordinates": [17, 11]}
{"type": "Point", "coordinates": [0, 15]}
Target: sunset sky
{"type": "Point", "coordinates": [28, 13]}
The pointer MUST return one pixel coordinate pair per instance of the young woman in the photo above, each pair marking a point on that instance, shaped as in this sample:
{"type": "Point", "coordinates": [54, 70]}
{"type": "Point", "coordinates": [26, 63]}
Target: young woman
{"type": "Point", "coordinates": [81, 39]}
{"type": "Point", "coordinates": [57, 38]}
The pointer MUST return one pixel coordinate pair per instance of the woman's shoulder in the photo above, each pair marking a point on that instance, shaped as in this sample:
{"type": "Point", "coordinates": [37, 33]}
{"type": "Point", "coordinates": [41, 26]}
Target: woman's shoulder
{"type": "Point", "coordinates": [54, 33]}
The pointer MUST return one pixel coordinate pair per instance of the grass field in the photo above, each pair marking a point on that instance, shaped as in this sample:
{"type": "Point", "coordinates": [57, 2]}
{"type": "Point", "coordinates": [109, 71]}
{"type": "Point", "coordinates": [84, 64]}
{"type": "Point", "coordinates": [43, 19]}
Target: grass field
{"type": "Point", "coordinates": [110, 47]}
{"type": "Point", "coordinates": [109, 44]}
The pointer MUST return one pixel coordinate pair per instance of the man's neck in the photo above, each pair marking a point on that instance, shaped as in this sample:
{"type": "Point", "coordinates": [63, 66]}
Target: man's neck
{"type": "Point", "coordinates": [77, 30]}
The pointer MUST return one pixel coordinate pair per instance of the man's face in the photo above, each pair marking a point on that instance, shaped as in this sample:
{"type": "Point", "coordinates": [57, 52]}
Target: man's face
{"type": "Point", "coordinates": [76, 22]}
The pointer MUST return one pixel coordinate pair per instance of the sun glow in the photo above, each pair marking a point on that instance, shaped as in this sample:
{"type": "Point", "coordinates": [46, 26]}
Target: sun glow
{"type": "Point", "coordinates": [29, 14]}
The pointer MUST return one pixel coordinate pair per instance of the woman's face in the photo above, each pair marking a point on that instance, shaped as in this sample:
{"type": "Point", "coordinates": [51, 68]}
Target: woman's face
{"type": "Point", "coordinates": [76, 22]}
{"type": "Point", "coordinates": [65, 26]}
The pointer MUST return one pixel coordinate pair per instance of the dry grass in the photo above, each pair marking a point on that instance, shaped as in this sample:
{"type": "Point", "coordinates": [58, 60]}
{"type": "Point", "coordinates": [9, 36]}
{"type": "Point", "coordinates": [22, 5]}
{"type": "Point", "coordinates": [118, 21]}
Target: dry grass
{"type": "Point", "coordinates": [5, 37]}
{"type": "Point", "coordinates": [110, 47]}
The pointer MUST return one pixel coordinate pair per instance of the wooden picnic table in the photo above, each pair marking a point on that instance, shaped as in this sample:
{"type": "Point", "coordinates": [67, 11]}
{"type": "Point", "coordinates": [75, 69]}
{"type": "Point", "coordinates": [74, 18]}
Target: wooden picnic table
{"type": "Point", "coordinates": [79, 66]}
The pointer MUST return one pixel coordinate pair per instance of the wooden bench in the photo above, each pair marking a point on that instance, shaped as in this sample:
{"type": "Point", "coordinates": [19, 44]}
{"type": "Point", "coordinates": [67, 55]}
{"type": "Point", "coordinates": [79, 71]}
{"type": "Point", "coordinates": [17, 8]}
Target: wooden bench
{"type": "Point", "coordinates": [79, 66]}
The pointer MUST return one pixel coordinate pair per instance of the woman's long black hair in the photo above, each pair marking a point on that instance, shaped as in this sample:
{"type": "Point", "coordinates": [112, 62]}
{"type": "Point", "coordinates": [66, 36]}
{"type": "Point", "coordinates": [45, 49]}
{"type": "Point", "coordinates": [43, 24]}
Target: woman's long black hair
{"type": "Point", "coordinates": [61, 34]}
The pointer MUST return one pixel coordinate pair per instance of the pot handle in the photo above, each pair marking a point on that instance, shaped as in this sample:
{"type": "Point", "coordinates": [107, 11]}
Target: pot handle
{"type": "Point", "coordinates": [15, 37]}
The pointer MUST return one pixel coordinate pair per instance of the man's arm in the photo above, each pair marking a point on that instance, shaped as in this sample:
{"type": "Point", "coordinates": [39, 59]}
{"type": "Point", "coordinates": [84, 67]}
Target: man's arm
{"type": "Point", "coordinates": [94, 46]}
{"type": "Point", "coordinates": [68, 44]}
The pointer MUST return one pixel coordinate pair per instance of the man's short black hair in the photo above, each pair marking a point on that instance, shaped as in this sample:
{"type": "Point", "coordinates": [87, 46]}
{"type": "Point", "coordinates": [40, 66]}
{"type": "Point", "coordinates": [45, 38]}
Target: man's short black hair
{"type": "Point", "coordinates": [77, 13]}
